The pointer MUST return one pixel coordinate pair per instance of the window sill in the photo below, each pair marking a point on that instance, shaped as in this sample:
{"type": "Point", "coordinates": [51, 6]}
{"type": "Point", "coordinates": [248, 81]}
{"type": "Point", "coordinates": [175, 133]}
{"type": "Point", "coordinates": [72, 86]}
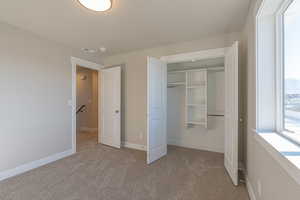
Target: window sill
{"type": "Point", "coordinates": [283, 151]}
{"type": "Point", "coordinates": [293, 136]}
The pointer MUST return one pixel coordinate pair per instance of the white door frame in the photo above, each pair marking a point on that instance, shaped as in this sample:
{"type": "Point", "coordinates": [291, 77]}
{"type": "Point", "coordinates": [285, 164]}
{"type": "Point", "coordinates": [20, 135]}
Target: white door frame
{"type": "Point", "coordinates": [90, 65]}
{"type": "Point", "coordinates": [198, 55]}
{"type": "Point", "coordinates": [184, 57]}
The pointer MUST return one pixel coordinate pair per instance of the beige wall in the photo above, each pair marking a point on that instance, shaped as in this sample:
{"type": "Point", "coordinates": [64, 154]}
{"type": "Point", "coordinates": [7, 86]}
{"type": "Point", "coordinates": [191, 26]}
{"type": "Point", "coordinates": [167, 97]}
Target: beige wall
{"type": "Point", "coordinates": [87, 94]}
{"type": "Point", "coordinates": [35, 86]}
{"type": "Point", "coordinates": [135, 80]}
{"type": "Point", "coordinates": [276, 183]}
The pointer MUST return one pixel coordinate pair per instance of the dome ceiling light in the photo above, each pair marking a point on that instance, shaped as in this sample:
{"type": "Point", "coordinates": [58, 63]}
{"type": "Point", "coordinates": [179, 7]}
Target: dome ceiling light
{"type": "Point", "coordinates": [96, 5]}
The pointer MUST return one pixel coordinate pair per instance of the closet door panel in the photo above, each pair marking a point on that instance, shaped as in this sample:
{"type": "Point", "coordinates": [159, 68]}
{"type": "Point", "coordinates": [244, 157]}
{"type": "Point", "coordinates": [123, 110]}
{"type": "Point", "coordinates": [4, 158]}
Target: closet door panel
{"type": "Point", "coordinates": [231, 112]}
{"type": "Point", "coordinates": [156, 109]}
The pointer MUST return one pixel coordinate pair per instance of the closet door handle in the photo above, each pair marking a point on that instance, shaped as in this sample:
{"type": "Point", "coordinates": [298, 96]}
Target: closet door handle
{"type": "Point", "coordinates": [117, 111]}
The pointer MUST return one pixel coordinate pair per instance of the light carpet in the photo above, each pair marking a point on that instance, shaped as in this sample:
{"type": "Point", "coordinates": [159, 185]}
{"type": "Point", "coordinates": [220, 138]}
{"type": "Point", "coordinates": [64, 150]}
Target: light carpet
{"type": "Point", "coordinates": [99, 172]}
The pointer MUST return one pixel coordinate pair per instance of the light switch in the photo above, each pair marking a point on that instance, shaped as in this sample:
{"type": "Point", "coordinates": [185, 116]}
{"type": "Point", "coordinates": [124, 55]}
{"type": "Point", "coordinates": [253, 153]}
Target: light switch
{"type": "Point", "coordinates": [70, 103]}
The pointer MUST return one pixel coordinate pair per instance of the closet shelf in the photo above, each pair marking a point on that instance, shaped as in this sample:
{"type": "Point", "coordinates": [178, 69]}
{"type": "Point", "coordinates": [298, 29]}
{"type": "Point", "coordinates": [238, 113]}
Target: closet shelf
{"type": "Point", "coordinates": [197, 122]}
{"type": "Point", "coordinates": [195, 87]}
{"type": "Point", "coordinates": [215, 115]}
{"type": "Point", "coordinates": [198, 106]}
{"type": "Point", "coordinates": [176, 83]}
{"type": "Point", "coordinates": [176, 72]}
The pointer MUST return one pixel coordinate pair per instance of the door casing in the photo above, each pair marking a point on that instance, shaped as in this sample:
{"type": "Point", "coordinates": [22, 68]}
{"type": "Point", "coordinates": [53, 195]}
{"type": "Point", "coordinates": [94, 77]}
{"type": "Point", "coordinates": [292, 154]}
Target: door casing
{"type": "Point", "coordinates": [90, 65]}
{"type": "Point", "coordinates": [199, 55]}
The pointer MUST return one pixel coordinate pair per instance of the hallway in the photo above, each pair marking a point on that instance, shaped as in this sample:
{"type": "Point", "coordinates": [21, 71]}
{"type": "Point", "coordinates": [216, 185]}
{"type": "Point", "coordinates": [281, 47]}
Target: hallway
{"type": "Point", "coordinates": [86, 140]}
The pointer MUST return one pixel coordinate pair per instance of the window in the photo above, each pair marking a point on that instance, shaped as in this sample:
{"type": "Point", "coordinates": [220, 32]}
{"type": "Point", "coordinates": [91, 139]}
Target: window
{"type": "Point", "coordinates": [291, 70]}
{"type": "Point", "coordinates": [278, 68]}
{"type": "Point", "coordinates": [277, 126]}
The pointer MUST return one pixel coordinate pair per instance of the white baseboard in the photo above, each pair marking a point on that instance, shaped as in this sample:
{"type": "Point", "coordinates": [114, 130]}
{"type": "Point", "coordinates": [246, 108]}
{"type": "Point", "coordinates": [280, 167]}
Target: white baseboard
{"type": "Point", "coordinates": [134, 146]}
{"type": "Point", "coordinates": [250, 189]}
{"type": "Point", "coordinates": [34, 164]}
{"type": "Point", "coordinates": [191, 146]}
{"type": "Point", "coordinates": [88, 129]}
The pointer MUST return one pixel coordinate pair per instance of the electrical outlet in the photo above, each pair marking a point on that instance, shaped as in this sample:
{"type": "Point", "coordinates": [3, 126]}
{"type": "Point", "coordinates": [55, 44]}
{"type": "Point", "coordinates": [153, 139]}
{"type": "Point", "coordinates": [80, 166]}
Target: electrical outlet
{"type": "Point", "coordinates": [259, 188]}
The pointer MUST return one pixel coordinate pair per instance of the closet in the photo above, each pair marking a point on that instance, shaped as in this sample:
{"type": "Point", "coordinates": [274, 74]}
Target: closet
{"type": "Point", "coordinates": [195, 104]}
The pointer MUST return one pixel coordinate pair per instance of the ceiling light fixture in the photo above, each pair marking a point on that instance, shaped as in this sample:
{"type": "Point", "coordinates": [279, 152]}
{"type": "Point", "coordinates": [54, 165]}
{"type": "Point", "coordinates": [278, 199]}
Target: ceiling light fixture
{"type": "Point", "coordinates": [96, 5]}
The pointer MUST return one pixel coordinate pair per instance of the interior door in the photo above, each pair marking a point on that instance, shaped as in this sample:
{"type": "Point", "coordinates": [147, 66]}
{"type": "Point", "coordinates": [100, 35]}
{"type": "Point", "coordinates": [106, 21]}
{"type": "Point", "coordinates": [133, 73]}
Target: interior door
{"type": "Point", "coordinates": [231, 112]}
{"type": "Point", "coordinates": [156, 109]}
{"type": "Point", "coordinates": [111, 107]}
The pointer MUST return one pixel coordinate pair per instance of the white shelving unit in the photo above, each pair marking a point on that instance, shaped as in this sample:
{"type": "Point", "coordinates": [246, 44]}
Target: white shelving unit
{"type": "Point", "coordinates": [196, 97]}
{"type": "Point", "coordinates": [176, 83]}
{"type": "Point", "coordinates": [176, 79]}
{"type": "Point", "coordinates": [195, 82]}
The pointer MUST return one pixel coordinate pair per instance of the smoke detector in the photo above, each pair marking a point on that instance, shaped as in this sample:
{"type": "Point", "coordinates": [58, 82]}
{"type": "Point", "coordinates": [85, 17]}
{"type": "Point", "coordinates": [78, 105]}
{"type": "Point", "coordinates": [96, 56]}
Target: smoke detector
{"type": "Point", "coordinates": [102, 49]}
{"type": "Point", "coordinates": [87, 50]}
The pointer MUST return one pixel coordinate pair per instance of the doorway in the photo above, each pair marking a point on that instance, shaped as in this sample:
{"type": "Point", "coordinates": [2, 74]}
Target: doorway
{"type": "Point", "coordinates": [103, 122]}
{"type": "Point", "coordinates": [86, 107]}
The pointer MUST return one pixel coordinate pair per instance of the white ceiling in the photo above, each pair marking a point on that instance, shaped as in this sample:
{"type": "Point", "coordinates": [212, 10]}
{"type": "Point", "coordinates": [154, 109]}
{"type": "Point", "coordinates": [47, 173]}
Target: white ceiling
{"type": "Point", "coordinates": [129, 25]}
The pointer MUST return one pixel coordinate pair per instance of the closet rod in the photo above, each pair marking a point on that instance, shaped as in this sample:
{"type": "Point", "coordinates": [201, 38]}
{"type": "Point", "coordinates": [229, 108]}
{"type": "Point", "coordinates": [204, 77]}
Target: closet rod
{"type": "Point", "coordinates": [215, 115]}
{"type": "Point", "coordinates": [201, 68]}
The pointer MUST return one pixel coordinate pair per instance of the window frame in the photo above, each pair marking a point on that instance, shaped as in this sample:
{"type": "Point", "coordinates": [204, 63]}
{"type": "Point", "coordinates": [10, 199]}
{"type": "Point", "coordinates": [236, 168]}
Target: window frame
{"type": "Point", "coordinates": [279, 79]}
{"type": "Point", "coordinates": [269, 57]}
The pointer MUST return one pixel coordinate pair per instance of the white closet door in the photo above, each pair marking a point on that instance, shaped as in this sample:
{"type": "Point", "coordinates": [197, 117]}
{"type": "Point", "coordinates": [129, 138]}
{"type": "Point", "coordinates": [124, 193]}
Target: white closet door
{"type": "Point", "coordinates": [231, 112]}
{"type": "Point", "coordinates": [111, 107]}
{"type": "Point", "coordinates": [156, 109]}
